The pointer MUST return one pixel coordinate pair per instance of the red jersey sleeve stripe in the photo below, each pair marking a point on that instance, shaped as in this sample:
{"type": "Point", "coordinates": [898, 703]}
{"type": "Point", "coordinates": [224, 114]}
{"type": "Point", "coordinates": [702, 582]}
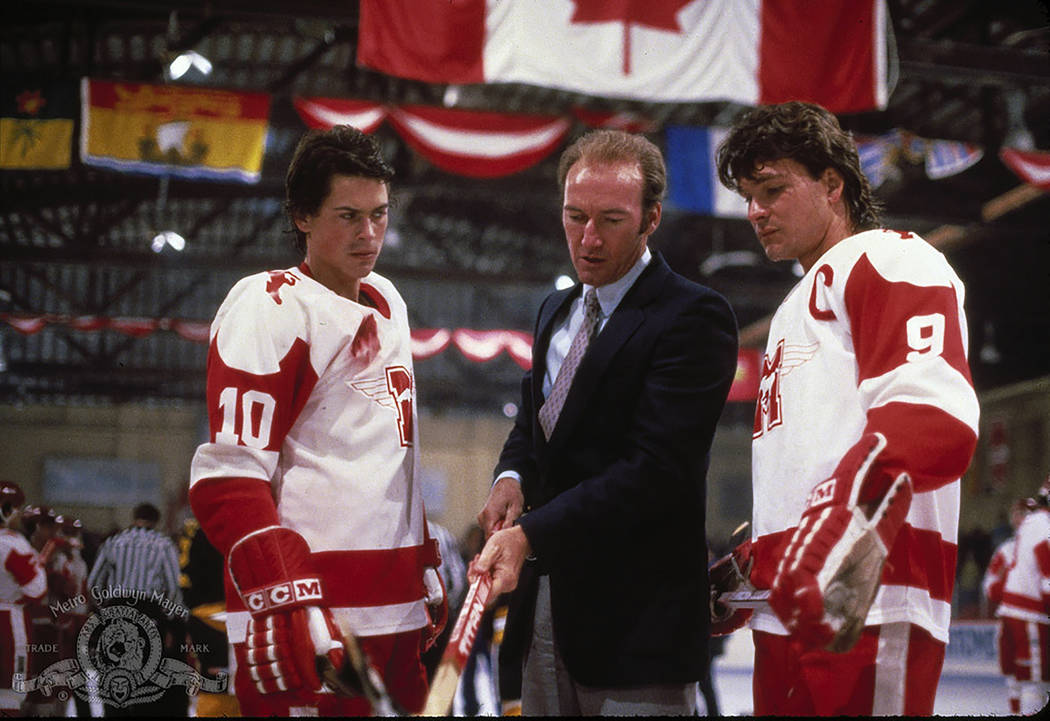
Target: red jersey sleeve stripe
{"type": "Point", "coordinates": [932, 446]}
{"type": "Point", "coordinates": [260, 408]}
{"type": "Point", "coordinates": [894, 322]}
{"type": "Point", "coordinates": [228, 509]}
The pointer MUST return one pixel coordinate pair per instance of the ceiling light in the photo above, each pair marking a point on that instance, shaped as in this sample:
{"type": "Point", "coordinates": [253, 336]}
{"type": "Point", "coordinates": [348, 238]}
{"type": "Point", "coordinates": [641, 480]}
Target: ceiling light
{"type": "Point", "coordinates": [167, 237]}
{"type": "Point", "coordinates": [182, 62]}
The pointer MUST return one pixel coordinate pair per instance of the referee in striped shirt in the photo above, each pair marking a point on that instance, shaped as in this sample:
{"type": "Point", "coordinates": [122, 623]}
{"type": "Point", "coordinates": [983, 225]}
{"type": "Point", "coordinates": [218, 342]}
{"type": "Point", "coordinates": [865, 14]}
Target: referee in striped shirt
{"type": "Point", "coordinates": [140, 567]}
{"type": "Point", "coordinates": [139, 563]}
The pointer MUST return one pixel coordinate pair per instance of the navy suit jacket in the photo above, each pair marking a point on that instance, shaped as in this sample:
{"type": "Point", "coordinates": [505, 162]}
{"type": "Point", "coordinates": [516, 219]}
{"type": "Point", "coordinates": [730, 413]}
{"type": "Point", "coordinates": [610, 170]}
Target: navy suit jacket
{"type": "Point", "coordinates": [615, 501]}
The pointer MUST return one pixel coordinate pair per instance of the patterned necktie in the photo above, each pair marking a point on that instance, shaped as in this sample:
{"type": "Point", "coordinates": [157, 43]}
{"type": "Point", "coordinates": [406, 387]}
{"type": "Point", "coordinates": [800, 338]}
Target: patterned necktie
{"type": "Point", "coordinates": [550, 409]}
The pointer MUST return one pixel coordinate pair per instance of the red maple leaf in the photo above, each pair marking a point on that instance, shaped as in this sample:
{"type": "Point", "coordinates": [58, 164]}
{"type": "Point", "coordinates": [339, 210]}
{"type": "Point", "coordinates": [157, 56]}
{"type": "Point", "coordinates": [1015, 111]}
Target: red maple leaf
{"type": "Point", "coordinates": [659, 14]}
{"type": "Point", "coordinates": [30, 102]}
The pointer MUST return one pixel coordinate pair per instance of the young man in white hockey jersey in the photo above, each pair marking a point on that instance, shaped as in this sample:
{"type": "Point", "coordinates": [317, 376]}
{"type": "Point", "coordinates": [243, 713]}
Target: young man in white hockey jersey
{"type": "Point", "coordinates": [307, 484]}
{"type": "Point", "coordinates": [865, 421]}
{"type": "Point", "coordinates": [1024, 610]}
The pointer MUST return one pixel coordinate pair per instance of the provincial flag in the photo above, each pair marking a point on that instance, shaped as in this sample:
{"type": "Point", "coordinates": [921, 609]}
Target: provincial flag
{"type": "Point", "coordinates": [692, 179]}
{"type": "Point", "coordinates": [832, 52]}
{"type": "Point", "coordinates": [195, 133]}
{"type": "Point", "coordinates": [36, 125]}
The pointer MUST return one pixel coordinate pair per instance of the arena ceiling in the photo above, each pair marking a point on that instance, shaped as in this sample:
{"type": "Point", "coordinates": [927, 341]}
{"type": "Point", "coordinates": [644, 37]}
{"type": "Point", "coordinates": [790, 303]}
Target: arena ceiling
{"type": "Point", "coordinates": [467, 253]}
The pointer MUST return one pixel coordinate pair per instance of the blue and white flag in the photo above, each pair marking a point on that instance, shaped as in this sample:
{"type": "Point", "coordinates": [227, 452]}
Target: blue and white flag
{"type": "Point", "coordinates": [692, 177]}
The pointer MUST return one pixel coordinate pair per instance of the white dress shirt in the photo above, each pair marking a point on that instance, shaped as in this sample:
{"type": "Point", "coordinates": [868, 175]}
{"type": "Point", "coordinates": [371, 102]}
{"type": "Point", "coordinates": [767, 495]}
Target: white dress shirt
{"type": "Point", "coordinates": [609, 297]}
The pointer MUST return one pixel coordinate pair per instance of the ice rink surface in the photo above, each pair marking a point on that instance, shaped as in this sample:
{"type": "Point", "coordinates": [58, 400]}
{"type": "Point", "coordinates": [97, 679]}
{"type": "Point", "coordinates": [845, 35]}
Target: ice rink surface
{"type": "Point", "coordinates": [970, 682]}
{"type": "Point", "coordinates": [957, 695]}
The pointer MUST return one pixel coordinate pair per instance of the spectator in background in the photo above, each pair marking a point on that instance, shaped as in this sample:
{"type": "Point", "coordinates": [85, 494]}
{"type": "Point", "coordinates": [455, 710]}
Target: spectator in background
{"type": "Point", "coordinates": [23, 584]}
{"type": "Point", "coordinates": [144, 562]}
{"type": "Point", "coordinates": [1024, 608]}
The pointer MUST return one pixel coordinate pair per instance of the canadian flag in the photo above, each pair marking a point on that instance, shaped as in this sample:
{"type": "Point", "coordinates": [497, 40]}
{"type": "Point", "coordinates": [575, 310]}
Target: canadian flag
{"type": "Point", "coordinates": [831, 52]}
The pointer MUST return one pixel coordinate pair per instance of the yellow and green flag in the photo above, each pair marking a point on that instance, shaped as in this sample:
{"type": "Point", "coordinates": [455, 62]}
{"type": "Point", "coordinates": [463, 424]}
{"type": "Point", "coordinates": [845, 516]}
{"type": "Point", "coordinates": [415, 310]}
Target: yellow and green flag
{"type": "Point", "coordinates": [36, 125]}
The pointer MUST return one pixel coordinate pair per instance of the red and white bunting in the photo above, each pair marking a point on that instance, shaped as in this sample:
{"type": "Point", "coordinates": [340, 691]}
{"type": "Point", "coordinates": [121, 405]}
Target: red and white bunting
{"type": "Point", "coordinates": [479, 144]}
{"type": "Point", "coordinates": [1033, 167]}
{"type": "Point", "coordinates": [323, 113]}
{"type": "Point", "coordinates": [428, 342]}
{"type": "Point", "coordinates": [477, 345]}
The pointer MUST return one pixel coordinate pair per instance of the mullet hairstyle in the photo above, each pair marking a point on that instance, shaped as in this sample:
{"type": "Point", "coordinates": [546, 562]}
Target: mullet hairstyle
{"type": "Point", "coordinates": [807, 134]}
{"type": "Point", "coordinates": [615, 146]}
{"type": "Point", "coordinates": [321, 154]}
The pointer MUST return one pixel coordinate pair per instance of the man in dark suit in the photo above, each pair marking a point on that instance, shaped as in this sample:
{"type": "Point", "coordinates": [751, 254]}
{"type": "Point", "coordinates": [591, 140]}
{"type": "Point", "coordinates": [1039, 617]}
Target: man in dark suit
{"type": "Point", "coordinates": [597, 512]}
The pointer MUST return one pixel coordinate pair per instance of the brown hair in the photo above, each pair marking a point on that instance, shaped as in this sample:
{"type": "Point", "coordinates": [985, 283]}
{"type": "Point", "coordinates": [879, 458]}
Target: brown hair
{"type": "Point", "coordinates": [612, 146]}
{"type": "Point", "coordinates": [320, 154]}
{"type": "Point", "coordinates": [807, 134]}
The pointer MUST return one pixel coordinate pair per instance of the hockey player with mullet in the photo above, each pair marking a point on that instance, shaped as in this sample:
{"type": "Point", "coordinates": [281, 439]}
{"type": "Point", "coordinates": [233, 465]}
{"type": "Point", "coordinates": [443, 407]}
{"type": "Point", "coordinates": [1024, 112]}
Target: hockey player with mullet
{"type": "Point", "coordinates": [866, 420]}
{"type": "Point", "coordinates": [307, 484]}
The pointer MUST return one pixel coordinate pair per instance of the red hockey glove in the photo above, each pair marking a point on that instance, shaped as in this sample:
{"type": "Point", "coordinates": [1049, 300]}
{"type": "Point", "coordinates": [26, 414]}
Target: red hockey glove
{"type": "Point", "coordinates": [291, 636]}
{"type": "Point", "coordinates": [830, 572]}
{"type": "Point", "coordinates": [730, 574]}
{"type": "Point", "coordinates": [437, 607]}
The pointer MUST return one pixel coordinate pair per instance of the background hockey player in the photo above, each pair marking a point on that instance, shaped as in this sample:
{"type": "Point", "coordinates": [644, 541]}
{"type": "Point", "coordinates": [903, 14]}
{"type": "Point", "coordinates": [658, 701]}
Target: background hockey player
{"type": "Point", "coordinates": [1003, 557]}
{"type": "Point", "coordinates": [992, 593]}
{"type": "Point", "coordinates": [307, 485]}
{"type": "Point", "coordinates": [1024, 608]}
{"type": "Point", "coordinates": [23, 583]}
{"type": "Point", "coordinates": [866, 419]}
{"type": "Point", "coordinates": [49, 625]}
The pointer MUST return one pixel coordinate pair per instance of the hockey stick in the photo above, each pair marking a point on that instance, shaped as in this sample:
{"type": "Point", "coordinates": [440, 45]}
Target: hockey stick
{"type": "Point", "coordinates": [357, 677]}
{"type": "Point", "coordinates": [460, 643]}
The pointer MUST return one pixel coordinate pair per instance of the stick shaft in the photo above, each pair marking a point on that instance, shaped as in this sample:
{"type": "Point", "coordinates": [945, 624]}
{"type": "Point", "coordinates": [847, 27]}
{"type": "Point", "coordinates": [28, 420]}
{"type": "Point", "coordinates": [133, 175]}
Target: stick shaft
{"type": "Point", "coordinates": [460, 644]}
{"type": "Point", "coordinates": [746, 599]}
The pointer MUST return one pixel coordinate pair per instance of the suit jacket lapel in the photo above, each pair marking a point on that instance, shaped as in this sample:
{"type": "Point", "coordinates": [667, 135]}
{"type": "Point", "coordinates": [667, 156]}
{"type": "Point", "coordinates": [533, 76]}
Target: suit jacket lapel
{"type": "Point", "coordinates": [619, 328]}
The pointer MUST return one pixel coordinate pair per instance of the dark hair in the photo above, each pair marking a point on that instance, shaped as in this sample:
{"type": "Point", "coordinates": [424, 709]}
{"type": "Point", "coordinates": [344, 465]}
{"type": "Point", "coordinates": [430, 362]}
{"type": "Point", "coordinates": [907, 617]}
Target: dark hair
{"type": "Point", "coordinates": [320, 154]}
{"type": "Point", "coordinates": [807, 134]}
{"type": "Point", "coordinates": [613, 146]}
{"type": "Point", "coordinates": [146, 512]}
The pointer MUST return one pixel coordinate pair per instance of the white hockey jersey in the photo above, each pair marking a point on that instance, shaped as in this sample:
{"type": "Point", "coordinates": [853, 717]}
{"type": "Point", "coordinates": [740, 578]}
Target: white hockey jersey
{"type": "Point", "coordinates": [22, 579]}
{"type": "Point", "coordinates": [1027, 589]}
{"type": "Point", "coordinates": [22, 576]}
{"type": "Point", "coordinates": [873, 338]}
{"type": "Point", "coordinates": [315, 394]}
